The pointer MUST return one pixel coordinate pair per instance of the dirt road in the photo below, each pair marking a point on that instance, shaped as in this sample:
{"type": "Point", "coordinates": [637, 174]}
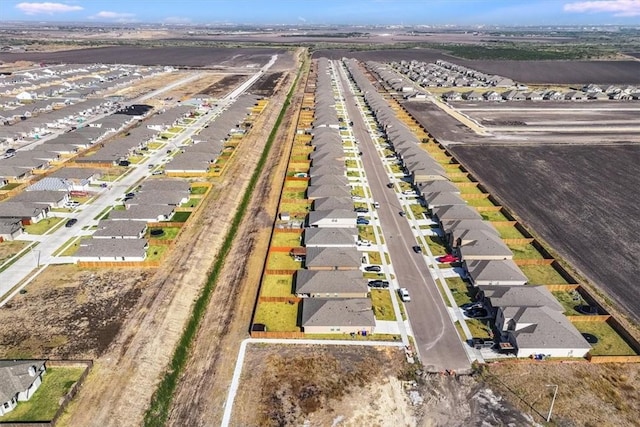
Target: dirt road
{"type": "Point", "coordinates": [203, 387]}
{"type": "Point", "coordinates": [135, 361]}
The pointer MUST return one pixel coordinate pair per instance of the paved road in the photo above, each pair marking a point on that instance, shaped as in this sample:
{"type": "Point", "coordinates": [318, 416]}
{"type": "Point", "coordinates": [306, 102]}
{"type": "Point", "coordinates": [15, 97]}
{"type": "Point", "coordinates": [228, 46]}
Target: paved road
{"type": "Point", "coordinates": [437, 341]}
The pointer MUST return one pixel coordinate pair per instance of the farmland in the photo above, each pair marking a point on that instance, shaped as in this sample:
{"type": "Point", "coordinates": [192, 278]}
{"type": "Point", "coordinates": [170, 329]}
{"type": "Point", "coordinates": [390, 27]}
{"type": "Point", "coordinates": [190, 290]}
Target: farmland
{"type": "Point", "coordinates": [578, 198]}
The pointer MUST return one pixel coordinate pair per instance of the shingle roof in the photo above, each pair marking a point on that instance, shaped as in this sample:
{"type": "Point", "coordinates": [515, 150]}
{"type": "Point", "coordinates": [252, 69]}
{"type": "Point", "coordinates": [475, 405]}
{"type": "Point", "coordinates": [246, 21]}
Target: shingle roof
{"type": "Point", "coordinates": [495, 271]}
{"type": "Point", "coordinates": [333, 257]}
{"type": "Point", "coordinates": [15, 378]}
{"type": "Point", "coordinates": [337, 312]}
{"type": "Point", "coordinates": [313, 282]}
{"type": "Point", "coordinates": [521, 296]}
{"type": "Point", "coordinates": [333, 236]}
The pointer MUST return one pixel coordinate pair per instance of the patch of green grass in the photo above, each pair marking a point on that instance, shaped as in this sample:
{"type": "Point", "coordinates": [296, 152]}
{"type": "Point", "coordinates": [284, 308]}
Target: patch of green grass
{"type": "Point", "coordinates": [462, 292]}
{"type": "Point", "coordinates": [351, 164]}
{"type": "Point", "coordinates": [175, 129]}
{"type": "Point", "coordinates": [355, 337]}
{"type": "Point", "coordinates": [277, 286]}
{"type": "Point", "coordinates": [526, 251]}
{"type": "Point", "coordinates": [358, 191]}
{"type": "Point", "coordinates": [43, 226]}
{"type": "Point", "coordinates": [395, 168]}
{"type": "Point", "coordinates": [374, 257]}
{"type": "Point", "coordinates": [566, 299]}
{"type": "Point", "coordinates": [469, 189]}
{"type": "Point", "coordinates": [542, 275]}
{"type": "Point", "coordinates": [10, 186]}
{"type": "Point", "coordinates": [353, 173]}
{"type": "Point", "coordinates": [180, 216]}
{"type": "Point", "coordinates": [418, 211]}
{"type": "Point", "coordinates": [479, 328]}
{"type": "Point", "coordinates": [299, 207]}
{"type": "Point", "coordinates": [382, 307]}
{"type": "Point", "coordinates": [365, 232]}
{"type": "Point", "coordinates": [199, 189]}
{"type": "Point", "coordinates": [191, 203]}
{"type": "Point", "coordinates": [155, 252]}
{"type": "Point", "coordinates": [282, 261]}
{"type": "Point", "coordinates": [493, 216]}
{"type": "Point", "coordinates": [609, 342]}
{"type": "Point", "coordinates": [278, 316]}
{"type": "Point", "coordinates": [475, 202]}
{"type": "Point", "coordinates": [286, 239]}
{"type": "Point", "coordinates": [155, 145]}
{"type": "Point", "coordinates": [170, 233]}
{"type": "Point", "coordinates": [436, 245]}
{"type": "Point", "coordinates": [509, 232]}
{"type": "Point", "coordinates": [459, 178]}
{"type": "Point", "coordinates": [56, 383]}
{"type": "Point", "coordinates": [294, 195]}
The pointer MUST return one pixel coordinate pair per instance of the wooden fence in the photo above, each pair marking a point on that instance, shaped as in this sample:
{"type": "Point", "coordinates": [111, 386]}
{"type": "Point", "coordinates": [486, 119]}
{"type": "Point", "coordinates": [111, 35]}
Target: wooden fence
{"type": "Point", "coordinates": [613, 359]}
{"type": "Point", "coordinates": [594, 319]}
{"type": "Point", "coordinates": [488, 208]}
{"type": "Point", "coordinates": [119, 264]}
{"type": "Point", "coordinates": [562, 287]}
{"type": "Point", "coordinates": [281, 248]}
{"type": "Point", "coordinates": [288, 230]}
{"type": "Point", "coordinates": [280, 272]}
{"type": "Point", "coordinates": [534, 261]}
{"type": "Point", "coordinates": [517, 241]}
{"type": "Point", "coordinates": [290, 300]}
{"type": "Point", "coordinates": [503, 223]}
{"type": "Point", "coordinates": [162, 224]}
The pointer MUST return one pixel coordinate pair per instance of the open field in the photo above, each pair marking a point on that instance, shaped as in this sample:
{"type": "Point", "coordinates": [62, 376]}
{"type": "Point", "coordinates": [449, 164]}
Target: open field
{"type": "Point", "coordinates": [578, 199]}
{"type": "Point", "coordinates": [84, 309]}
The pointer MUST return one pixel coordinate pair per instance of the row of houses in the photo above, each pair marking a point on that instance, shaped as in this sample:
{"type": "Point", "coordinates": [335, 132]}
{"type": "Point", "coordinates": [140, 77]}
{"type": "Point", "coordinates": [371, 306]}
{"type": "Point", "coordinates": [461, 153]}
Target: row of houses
{"type": "Point", "coordinates": [530, 321]}
{"type": "Point", "coordinates": [208, 144]}
{"type": "Point", "coordinates": [333, 289]}
{"type": "Point", "coordinates": [121, 236]}
{"type": "Point", "coordinates": [546, 95]}
{"type": "Point", "coordinates": [447, 74]}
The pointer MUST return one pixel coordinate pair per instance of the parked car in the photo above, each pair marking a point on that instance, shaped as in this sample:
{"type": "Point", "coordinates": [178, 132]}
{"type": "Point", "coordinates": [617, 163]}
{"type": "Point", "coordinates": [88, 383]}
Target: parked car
{"type": "Point", "coordinates": [157, 172]}
{"type": "Point", "coordinates": [404, 294]}
{"type": "Point", "coordinates": [477, 313]}
{"type": "Point", "coordinates": [390, 185]}
{"type": "Point", "coordinates": [70, 222]}
{"type": "Point", "coordinates": [376, 205]}
{"type": "Point", "coordinates": [402, 213]}
{"type": "Point", "coordinates": [378, 284]}
{"type": "Point", "coordinates": [448, 258]}
{"type": "Point", "coordinates": [417, 249]}
{"type": "Point", "coordinates": [130, 195]}
{"type": "Point", "coordinates": [409, 192]}
{"type": "Point", "coordinates": [373, 268]}
{"type": "Point", "coordinates": [362, 221]}
{"type": "Point", "coordinates": [472, 305]}
{"type": "Point", "coordinates": [361, 209]}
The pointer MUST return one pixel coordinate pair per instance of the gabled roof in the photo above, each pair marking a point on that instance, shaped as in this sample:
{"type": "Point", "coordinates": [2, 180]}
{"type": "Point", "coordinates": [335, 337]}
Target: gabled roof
{"type": "Point", "coordinates": [428, 187]}
{"type": "Point", "coordinates": [441, 199]}
{"type": "Point", "coordinates": [112, 248]}
{"type": "Point", "coordinates": [332, 282]}
{"type": "Point", "coordinates": [495, 271]}
{"type": "Point", "coordinates": [455, 212]}
{"type": "Point", "coordinates": [15, 377]}
{"type": "Point", "coordinates": [348, 258]}
{"type": "Point", "coordinates": [544, 327]}
{"type": "Point", "coordinates": [330, 180]}
{"type": "Point", "coordinates": [521, 296]}
{"type": "Point", "coordinates": [479, 243]}
{"type": "Point", "coordinates": [338, 214]}
{"type": "Point", "coordinates": [337, 312]}
{"type": "Point", "coordinates": [111, 228]}
{"type": "Point", "coordinates": [315, 191]}
{"type": "Point", "coordinates": [329, 203]}
{"type": "Point", "coordinates": [332, 236]}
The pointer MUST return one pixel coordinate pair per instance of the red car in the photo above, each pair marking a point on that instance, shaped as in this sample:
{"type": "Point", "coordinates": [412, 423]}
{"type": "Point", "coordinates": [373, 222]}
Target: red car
{"type": "Point", "coordinates": [448, 258]}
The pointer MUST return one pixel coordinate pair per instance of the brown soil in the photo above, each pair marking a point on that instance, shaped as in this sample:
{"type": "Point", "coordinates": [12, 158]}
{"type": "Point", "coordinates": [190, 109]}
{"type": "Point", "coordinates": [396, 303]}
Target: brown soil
{"type": "Point", "coordinates": [219, 88]}
{"type": "Point", "coordinates": [137, 358]}
{"type": "Point", "coordinates": [10, 248]}
{"type": "Point", "coordinates": [202, 391]}
{"type": "Point", "coordinates": [83, 311]}
{"type": "Point", "coordinates": [179, 93]}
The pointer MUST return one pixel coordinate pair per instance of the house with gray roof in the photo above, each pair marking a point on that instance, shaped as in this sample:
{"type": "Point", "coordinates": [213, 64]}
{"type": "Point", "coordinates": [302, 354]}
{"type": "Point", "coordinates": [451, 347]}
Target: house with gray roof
{"type": "Point", "coordinates": [317, 191]}
{"type": "Point", "coordinates": [495, 297]}
{"type": "Point", "coordinates": [330, 237]}
{"type": "Point", "coordinates": [110, 229]}
{"type": "Point", "coordinates": [425, 188]}
{"type": "Point", "coordinates": [335, 218]}
{"type": "Point", "coordinates": [329, 180]}
{"type": "Point", "coordinates": [146, 197]}
{"type": "Point", "coordinates": [112, 250]}
{"type": "Point", "coordinates": [454, 229]}
{"type": "Point", "coordinates": [482, 245]}
{"type": "Point", "coordinates": [330, 203]}
{"type": "Point", "coordinates": [449, 212]}
{"type": "Point", "coordinates": [540, 330]}
{"type": "Point", "coordinates": [343, 258]}
{"type": "Point", "coordinates": [149, 213]}
{"type": "Point", "coordinates": [337, 316]}
{"type": "Point", "coordinates": [51, 198]}
{"type": "Point", "coordinates": [10, 229]}
{"type": "Point", "coordinates": [492, 272]}
{"type": "Point", "coordinates": [28, 213]}
{"type": "Point", "coordinates": [443, 199]}
{"type": "Point", "coordinates": [19, 380]}
{"type": "Point", "coordinates": [330, 284]}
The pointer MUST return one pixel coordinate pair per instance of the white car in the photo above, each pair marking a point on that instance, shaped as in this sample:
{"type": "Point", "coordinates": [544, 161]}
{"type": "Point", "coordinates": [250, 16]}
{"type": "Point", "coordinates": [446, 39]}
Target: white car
{"type": "Point", "coordinates": [404, 294]}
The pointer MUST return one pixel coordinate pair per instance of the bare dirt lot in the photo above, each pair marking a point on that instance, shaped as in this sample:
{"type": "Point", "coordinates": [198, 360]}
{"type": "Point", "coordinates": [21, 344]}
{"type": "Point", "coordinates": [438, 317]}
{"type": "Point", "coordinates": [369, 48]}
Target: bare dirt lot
{"type": "Point", "coordinates": [69, 312]}
{"type": "Point", "coordinates": [581, 199]}
{"type": "Point", "coordinates": [384, 55]}
{"type": "Point", "coordinates": [222, 86]}
{"type": "Point", "coordinates": [177, 56]}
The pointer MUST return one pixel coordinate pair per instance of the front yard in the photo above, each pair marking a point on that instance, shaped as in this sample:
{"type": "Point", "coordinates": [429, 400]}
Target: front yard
{"type": "Point", "coordinates": [43, 226]}
{"type": "Point", "coordinates": [382, 306]}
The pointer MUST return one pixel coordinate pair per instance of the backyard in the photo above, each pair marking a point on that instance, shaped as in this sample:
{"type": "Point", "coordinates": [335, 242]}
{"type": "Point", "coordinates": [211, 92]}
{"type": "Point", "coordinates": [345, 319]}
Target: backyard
{"type": "Point", "coordinates": [282, 261]}
{"type": "Point", "coordinates": [276, 285]}
{"type": "Point", "coordinates": [509, 232]}
{"type": "Point", "coordinates": [524, 251]}
{"type": "Point", "coordinates": [569, 300]}
{"type": "Point", "coordinates": [609, 342]}
{"type": "Point", "coordinates": [542, 274]}
{"type": "Point", "coordinates": [278, 316]}
{"type": "Point", "coordinates": [286, 239]}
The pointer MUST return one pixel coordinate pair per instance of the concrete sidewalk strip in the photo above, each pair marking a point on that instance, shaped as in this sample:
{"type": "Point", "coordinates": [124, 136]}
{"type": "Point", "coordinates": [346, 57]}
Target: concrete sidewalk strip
{"type": "Point", "coordinates": [387, 327]}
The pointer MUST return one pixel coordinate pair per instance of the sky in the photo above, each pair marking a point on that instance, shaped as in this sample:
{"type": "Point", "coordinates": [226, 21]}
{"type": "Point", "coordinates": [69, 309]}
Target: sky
{"type": "Point", "coordinates": [358, 12]}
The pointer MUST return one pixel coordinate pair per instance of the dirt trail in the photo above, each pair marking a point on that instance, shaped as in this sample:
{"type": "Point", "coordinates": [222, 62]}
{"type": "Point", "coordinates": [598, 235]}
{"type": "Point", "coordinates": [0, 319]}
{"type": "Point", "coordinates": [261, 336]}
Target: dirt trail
{"type": "Point", "coordinates": [203, 387]}
{"type": "Point", "coordinates": [133, 364]}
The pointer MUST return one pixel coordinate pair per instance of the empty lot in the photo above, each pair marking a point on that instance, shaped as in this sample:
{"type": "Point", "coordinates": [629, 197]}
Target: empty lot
{"type": "Point", "coordinates": [583, 200]}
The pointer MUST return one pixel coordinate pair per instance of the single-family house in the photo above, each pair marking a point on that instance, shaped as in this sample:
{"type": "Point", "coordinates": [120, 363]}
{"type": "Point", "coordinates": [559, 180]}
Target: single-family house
{"type": "Point", "coordinates": [110, 229]}
{"type": "Point", "coordinates": [335, 218]}
{"type": "Point", "coordinates": [28, 213]}
{"type": "Point", "coordinates": [52, 198]}
{"type": "Point", "coordinates": [330, 237]}
{"type": "Point", "coordinates": [426, 188]}
{"type": "Point", "coordinates": [323, 258]}
{"type": "Point", "coordinates": [496, 297]}
{"type": "Point", "coordinates": [337, 316]}
{"type": "Point", "coordinates": [317, 191]}
{"type": "Point", "coordinates": [19, 380]}
{"type": "Point", "coordinates": [330, 284]}
{"type": "Point", "coordinates": [443, 199]}
{"type": "Point", "coordinates": [455, 229]}
{"type": "Point", "coordinates": [330, 203]}
{"type": "Point", "coordinates": [10, 228]}
{"type": "Point", "coordinates": [482, 245]}
{"type": "Point", "coordinates": [494, 272]}
{"type": "Point", "coordinates": [149, 213]}
{"type": "Point", "coordinates": [112, 250]}
{"type": "Point", "coordinates": [450, 212]}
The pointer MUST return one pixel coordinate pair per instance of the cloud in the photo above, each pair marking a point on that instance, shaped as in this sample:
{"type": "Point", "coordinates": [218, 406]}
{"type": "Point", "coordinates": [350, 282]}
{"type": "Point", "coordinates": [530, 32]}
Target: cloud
{"type": "Point", "coordinates": [625, 8]}
{"type": "Point", "coordinates": [176, 20]}
{"type": "Point", "coordinates": [112, 15]}
{"type": "Point", "coordinates": [46, 8]}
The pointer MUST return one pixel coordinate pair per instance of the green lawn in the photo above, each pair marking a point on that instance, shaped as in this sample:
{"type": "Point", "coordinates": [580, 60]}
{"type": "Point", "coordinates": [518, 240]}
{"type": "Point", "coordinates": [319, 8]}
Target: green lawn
{"type": "Point", "coordinates": [436, 245]}
{"type": "Point", "coordinates": [382, 307]}
{"type": "Point", "coordinates": [180, 216]}
{"type": "Point", "coordinates": [418, 211]}
{"type": "Point", "coordinates": [155, 252]}
{"type": "Point", "coordinates": [136, 159]}
{"type": "Point", "coordinates": [277, 286]}
{"type": "Point", "coordinates": [526, 251]}
{"type": "Point", "coordinates": [356, 337]}
{"type": "Point", "coordinates": [542, 275]}
{"type": "Point", "coordinates": [176, 129]}
{"type": "Point", "coordinates": [609, 342]}
{"type": "Point", "coordinates": [353, 173]}
{"type": "Point", "coordinates": [286, 239]}
{"type": "Point", "coordinates": [462, 293]}
{"type": "Point", "coordinates": [43, 226]}
{"type": "Point", "coordinates": [155, 145]}
{"type": "Point", "coordinates": [170, 233]}
{"type": "Point", "coordinates": [56, 383]}
{"type": "Point", "coordinates": [509, 232]}
{"type": "Point", "coordinates": [396, 168]}
{"type": "Point", "coordinates": [351, 164]}
{"type": "Point", "coordinates": [566, 299]}
{"type": "Point", "coordinates": [460, 178]}
{"type": "Point", "coordinates": [365, 232]}
{"type": "Point", "coordinates": [299, 195]}
{"type": "Point", "coordinates": [493, 216]}
{"type": "Point", "coordinates": [10, 186]}
{"type": "Point", "coordinates": [278, 316]}
{"type": "Point", "coordinates": [475, 202]}
{"type": "Point", "coordinates": [479, 328]}
{"type": "Point", "coordinates": [199, 189]}
{"type": "Point", "coordinates": [303, 206]}
{"type": "Point", "coordinates": [358, 191]}
{"type": "Point", "coordinates": [282, 261]}
{"type": "Point", "coordinates": [469, 189]}
{"type": "Point", "coordinates": [374, 258]}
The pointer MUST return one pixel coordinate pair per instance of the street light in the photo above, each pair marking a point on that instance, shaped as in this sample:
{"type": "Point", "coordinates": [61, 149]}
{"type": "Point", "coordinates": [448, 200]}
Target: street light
{"type": "Point", "coordinates": [553, 400]}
